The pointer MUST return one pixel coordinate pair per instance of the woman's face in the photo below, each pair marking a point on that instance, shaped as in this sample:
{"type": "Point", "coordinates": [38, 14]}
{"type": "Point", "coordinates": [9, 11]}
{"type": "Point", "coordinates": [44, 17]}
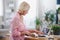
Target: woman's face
{"type": "Point", "coordinates": [23, 12]}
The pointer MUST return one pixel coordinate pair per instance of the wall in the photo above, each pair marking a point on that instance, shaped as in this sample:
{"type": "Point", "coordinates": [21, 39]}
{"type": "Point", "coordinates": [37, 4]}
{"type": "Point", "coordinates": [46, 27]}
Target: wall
{"type": "Point", "coordinates": [1, 11]}
{"type": "Point", "coordinates": [57, 6]}
{"type": "Point", "coordinates": [45, 5]}
{"type": "Point", "coordinates": [1, 7]}
{"type": "Point", "coordinates": [0, 21]}
{"type": "Point", "coordinates": [38, 9]}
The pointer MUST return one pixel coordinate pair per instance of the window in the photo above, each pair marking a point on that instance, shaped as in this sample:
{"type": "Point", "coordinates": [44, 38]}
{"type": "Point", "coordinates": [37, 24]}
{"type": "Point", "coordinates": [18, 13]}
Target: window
{"type": "Point", "coordinates": [58, 1]}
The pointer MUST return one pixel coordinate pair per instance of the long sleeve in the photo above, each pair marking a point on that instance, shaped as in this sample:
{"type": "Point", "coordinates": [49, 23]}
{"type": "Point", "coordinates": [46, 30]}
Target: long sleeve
{"type": "Point", "coordinates": [15, 27]}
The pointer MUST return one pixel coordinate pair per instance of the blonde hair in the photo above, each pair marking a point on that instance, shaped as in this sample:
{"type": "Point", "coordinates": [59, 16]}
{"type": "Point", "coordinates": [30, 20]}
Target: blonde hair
{"type": "Point", "coordinates": [24, 6]}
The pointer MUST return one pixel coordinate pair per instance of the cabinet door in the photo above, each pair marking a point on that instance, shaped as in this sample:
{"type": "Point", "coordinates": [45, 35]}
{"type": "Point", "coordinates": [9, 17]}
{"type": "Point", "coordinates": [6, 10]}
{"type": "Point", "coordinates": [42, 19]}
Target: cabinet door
{"type": "Point", "coordinates": [9, 8]}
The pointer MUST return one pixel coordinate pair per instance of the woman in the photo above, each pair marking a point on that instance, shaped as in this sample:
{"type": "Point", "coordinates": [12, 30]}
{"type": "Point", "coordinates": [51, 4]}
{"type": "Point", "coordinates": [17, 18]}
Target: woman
{"type": "Point", "coordinates": [18, 27]}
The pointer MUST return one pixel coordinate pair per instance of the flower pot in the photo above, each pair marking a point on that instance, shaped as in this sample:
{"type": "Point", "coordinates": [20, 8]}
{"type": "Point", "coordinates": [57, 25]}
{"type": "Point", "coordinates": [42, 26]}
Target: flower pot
{"type": "Point", "coordinates": [56, 32]}
{"type": "Point", "coordinates": [38, 27]}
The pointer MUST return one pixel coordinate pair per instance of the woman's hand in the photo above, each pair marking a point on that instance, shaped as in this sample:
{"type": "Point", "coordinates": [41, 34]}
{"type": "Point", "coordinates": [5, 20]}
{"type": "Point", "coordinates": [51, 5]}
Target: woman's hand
{"type": "Point", "coordinates": [35, 31]}
{"type": "Point", "coordinates": [25, 33]}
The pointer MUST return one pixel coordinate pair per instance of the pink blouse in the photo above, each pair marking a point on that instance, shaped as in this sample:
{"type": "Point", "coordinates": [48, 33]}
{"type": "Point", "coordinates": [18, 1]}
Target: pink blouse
{"type": "Point", "coordinates": [17, 26]}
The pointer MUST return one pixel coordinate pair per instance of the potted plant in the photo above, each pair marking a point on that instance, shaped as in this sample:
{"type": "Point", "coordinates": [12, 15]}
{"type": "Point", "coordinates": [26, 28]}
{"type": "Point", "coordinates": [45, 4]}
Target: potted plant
{"type": "Point", "coordinates": [58, 10]}
{"type": "Point", "coordinates": [38, 23]}
{"type": "Point", "coordinates": [49, 16]}
{"type": "Point", "coordinates": [56, 29]}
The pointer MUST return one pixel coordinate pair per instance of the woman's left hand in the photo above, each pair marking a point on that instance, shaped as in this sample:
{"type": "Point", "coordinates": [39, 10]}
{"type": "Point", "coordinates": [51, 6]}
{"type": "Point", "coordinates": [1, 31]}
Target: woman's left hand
{"type": "Point", "coordinates": [36, 31]}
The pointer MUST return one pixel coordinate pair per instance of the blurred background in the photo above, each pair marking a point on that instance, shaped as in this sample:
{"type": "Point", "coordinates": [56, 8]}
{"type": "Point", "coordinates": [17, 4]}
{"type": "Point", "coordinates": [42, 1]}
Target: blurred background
{"type": "Point", "coordinates": [43, 16]}
{"type": "Point", "coordinates": [38, 8]}
{"type": "Point", "coordinates": [42, 13]}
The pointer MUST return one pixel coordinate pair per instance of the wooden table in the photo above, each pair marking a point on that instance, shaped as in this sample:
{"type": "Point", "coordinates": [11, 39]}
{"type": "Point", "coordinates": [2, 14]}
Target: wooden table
{"type": "Point", "coordinates": [34, 38]}
{"type": "Point", "coordinates": [55, 37]}
{"type": "Point", "coordinates": [42, 38]}
{"type": "Point", "coordinates": [31, 38]}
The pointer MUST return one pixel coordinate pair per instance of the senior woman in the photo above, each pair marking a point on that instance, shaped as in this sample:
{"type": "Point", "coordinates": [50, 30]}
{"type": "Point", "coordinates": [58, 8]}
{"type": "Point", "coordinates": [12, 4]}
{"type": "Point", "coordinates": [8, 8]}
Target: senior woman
{"type": "Point", "coordinates": [17, 26]}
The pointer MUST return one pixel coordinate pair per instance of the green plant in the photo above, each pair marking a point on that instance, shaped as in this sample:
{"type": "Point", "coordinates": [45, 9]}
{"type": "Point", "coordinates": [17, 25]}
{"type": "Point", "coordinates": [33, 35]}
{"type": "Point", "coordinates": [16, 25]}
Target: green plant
{"type": "Point", "coordinates": [56, 29]}
{"type": "Point", "coordinates": [46, 17]}
{"type": "Point", "coordinates": [38, 22]}
{"type": "Point", "coordinates": [49, 16]}
{"type": "Point", "coordinates": [58, 10]}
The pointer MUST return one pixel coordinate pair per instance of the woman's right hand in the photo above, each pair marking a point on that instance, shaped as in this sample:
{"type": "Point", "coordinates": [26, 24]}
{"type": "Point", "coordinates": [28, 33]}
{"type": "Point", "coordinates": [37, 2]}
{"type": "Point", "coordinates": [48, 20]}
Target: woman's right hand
{"type": "Point", "coordinates": [22, 33]}
{"type": "Point", "coordinates": [25, 33]}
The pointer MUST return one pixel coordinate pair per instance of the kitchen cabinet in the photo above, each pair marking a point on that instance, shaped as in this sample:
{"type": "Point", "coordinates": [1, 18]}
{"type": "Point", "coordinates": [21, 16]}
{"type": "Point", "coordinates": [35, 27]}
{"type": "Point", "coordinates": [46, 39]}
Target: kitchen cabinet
{"type": "Point", "coordinates": [9, 9]}
{"type": "Point", "coordinates": [4, 35]}
{"type": "Point", "coordinates": [5, 38]}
